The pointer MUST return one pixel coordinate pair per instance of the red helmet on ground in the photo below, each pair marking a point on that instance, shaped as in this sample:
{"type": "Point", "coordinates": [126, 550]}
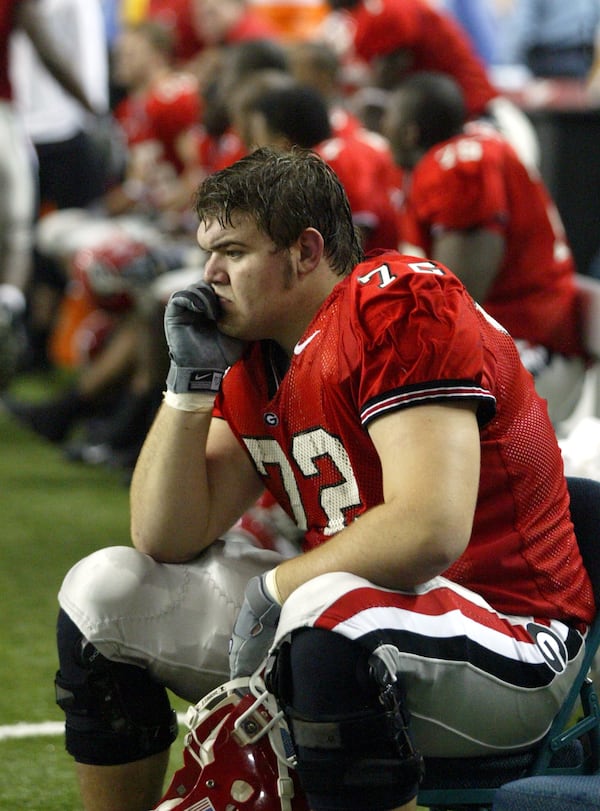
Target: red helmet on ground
{"type": "Point", "coordinates": [111, 271]}
{"type": "Point", "coordinates": [238, 755]}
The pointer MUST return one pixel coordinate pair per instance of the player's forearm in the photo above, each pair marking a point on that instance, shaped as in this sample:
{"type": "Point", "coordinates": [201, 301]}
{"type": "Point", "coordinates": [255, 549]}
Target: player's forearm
{"type": "Point", "coordinates": [169, 492]}
{"type": "Point", "coordinates": [387, 549]}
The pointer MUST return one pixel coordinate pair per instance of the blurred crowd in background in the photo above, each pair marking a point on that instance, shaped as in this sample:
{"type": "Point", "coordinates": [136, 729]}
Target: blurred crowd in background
{"type": "Point", "coordinates": [112, 112]}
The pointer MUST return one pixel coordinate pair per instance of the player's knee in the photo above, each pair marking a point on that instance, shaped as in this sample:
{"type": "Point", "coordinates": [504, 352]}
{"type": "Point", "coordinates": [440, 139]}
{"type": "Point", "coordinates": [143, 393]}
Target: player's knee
{"type": "Point", "coordinates": [115, 713]}
{"type": "Point", "coordinates": [348, 721]}
{"type": "Point", "coordinates": [103, 584]}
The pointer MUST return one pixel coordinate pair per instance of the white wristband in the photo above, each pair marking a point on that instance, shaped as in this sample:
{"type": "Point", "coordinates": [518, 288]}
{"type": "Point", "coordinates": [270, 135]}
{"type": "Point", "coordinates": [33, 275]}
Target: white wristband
{"type": "Point", "coordinates": [271, 584]}
{"type": "Point", "coordinates": [188, 401]}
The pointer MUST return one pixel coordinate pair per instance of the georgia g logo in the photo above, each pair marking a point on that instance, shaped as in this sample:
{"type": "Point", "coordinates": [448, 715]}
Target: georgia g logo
{"type": "Point", "coordinates": [551, 646]}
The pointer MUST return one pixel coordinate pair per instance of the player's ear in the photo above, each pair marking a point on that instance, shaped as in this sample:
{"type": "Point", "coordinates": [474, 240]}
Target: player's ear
{"type": "Point", "coordinates": [310, 249]}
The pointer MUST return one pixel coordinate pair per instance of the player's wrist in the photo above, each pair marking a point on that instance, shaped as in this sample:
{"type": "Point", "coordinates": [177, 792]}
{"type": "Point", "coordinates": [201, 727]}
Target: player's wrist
{"type": "Point", "coordinates": [195, 402]}
{"type": "Point", "coordinates": [270, 581]}
{"type": "Point", "coordinates": [193, 380]}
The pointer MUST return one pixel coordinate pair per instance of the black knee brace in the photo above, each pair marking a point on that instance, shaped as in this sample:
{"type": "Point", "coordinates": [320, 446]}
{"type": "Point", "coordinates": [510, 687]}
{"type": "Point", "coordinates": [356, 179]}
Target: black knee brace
{"type": "Point", "coordinates": [348, 721]}
{"type": "Point", "coordinates": [115, 713]}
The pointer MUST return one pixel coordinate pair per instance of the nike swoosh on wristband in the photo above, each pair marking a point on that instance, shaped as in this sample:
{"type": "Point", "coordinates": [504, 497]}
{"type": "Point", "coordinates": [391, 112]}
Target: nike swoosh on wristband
{"type": "Point", "coordinates": [301, 346]}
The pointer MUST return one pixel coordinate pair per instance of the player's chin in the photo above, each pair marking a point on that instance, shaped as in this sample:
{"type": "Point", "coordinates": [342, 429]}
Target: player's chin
{"type": "Point", "coordinates": [230, 327]}
{"type": "Point", "coordinates": [237, 323]}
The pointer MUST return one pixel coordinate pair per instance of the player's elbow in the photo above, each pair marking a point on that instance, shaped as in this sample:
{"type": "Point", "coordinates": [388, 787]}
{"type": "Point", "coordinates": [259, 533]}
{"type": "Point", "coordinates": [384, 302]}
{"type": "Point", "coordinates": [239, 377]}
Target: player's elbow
{"type": "Point", "coordinates": [164, 545]}
{"type": "Point", "coordinates": [447, 542]}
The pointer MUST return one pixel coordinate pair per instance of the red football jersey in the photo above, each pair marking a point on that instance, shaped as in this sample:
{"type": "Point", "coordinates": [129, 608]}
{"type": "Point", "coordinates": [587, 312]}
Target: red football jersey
{"type": "Point", "coordinates": [400, 332]}
{"type": "Point", "coordinates": [343, 123]}
{"type": "Point", "coordinates": [171, 106]}
{"type": "Point", "coordinates": [364, 164]}
{"type": "Point", "coordinates": [476, 180]}
{"type": "Point", "coordinates": [213, 153]}
{"type": "Point", "coordinates": [434, 39]}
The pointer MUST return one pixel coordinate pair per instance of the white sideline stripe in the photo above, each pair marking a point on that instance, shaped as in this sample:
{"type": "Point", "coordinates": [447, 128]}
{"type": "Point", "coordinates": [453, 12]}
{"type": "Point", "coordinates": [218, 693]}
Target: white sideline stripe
{"type": "Point", "coordinates": [25, 730]}
{"type": "Point", "coordinates": [45, 728]}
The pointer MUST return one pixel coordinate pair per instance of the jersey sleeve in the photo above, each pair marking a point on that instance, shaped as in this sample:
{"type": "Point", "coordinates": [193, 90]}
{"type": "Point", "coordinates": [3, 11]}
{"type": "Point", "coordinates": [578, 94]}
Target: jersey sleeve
{"type": "Point", "coordinates": [349, 164]}
{"type": "Point", "coordinates": [174, 105]}
{"type": "Point", "coordinates": [383, 27]}
{"type": "Point", "coordinates": [460, 185]}
{"type": "Point", "coordinates": [419, 338]}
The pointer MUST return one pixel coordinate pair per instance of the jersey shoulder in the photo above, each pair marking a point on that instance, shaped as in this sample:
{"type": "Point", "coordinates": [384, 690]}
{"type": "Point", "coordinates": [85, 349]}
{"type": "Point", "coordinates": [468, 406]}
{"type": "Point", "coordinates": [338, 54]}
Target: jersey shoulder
{"type": "Point", "coordinates": [460, 183]}
{"type": "Point", "coordinates": [416, 335]}
{"type": "Point", "coordinates": [173, 102]}
{"type": "Point", "coordinates": [385, 26]}
{"type": "Point", "coordinates": [390, 292]}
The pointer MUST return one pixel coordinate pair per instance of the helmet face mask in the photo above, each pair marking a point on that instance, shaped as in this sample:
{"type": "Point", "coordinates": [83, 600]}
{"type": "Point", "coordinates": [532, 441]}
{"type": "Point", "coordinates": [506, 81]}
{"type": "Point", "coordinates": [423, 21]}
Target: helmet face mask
{"type": "Point", "coordinates": [238, 755]}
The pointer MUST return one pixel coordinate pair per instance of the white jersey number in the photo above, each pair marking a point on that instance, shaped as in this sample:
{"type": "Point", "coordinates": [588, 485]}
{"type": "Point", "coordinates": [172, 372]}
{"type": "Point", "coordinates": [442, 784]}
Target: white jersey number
{"type": "Point", "coordinates": [307, 449]}
{"type": "Point", "coordinates": [386, 277]}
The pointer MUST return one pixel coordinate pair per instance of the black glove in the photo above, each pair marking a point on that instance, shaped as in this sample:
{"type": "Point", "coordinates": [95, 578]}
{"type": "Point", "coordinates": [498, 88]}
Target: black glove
{"type": "Point", "coordinates": [199, 353]}
{"type": "Point", "coordinates": [254, 628]}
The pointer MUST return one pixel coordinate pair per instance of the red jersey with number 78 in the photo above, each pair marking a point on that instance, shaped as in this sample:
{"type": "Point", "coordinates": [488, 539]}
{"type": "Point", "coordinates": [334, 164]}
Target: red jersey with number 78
{"type": "Point", "coordinates": [476, 180]}
{"type": "Point", "coordinates": [401, 332]}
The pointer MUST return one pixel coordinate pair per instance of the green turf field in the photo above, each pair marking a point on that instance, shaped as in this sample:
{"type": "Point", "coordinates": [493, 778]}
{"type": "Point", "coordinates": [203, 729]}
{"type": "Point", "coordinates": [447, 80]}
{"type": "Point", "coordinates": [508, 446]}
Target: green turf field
{"type": "Point", "coordinates": [52, 513]}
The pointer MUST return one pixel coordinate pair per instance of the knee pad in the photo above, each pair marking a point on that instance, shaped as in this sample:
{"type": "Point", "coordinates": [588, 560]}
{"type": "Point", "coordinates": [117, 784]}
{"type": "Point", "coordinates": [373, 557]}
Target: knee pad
{"type": "Point", "coordinates": [349, 723]}
{"type": "Point", "coordinates": [107, 584]}
{"type": "Point", "coordinates": [115, 713]}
